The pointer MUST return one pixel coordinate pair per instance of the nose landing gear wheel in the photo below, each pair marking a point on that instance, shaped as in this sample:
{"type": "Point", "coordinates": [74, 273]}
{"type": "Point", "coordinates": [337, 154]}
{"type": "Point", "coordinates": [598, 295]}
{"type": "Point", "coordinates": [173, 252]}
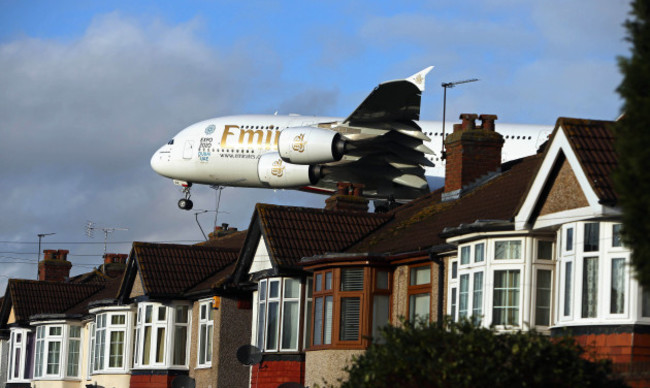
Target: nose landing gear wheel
{"type": "Point", "coordinates": [185, 204]}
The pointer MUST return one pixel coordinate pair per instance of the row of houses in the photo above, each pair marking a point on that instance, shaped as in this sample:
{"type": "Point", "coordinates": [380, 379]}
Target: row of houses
{"type": "Point", "coordinates": [529, 244]}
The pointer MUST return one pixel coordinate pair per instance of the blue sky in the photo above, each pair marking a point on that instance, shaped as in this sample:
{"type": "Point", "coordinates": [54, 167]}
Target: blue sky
{"type": "Point", "coordinates": [90, 89]}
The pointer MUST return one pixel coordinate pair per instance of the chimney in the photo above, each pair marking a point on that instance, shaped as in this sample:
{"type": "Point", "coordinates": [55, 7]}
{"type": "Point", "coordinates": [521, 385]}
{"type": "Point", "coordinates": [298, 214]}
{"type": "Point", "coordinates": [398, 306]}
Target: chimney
{"type": "Point", "coordinates": [221, 231]}
{"type": "Point", "coordinates": [55, 267]}
{"type": "Point", "coordinates": [114, 264]}
{"type": "Point", "coordinates": [349, 197]}
{"type": "Point", "coordinates": [472, 152]}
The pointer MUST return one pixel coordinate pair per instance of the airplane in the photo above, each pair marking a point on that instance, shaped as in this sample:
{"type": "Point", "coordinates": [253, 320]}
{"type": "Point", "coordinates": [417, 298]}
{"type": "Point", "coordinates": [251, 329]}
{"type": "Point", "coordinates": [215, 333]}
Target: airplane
{"type": "Point", "coordinates": [382, 145]}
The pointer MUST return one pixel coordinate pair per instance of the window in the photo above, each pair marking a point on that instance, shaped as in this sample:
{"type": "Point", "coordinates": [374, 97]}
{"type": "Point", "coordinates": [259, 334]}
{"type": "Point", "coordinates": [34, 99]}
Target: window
{"type": "Point", "coordinates": [477, 299]}
{"type": "Point", "coordinates": [351, 281]}
{"type": "Point", "coordinates": [591, 238]}
{"type": "Point", "coordinates": [53, 342]}
{"type": "Point", "coordinates": [454, 269]}
{"type": "Point", "coordinates": [616, 235]}
{"type": "Point", "coordinates": [567, 288]}
{"type": "Point", "coordinates": [463, 296]}
{"type": "Point", "coordinates": [74, 346]}
{"type": "Point", "coordinates": [308, 312]}
{"type": "Point", "coordinates": [206, 325]}
{"type": "Point", "coordinates": [544, 250]}
{"type": "Point", "coordinates": [19, 347]}
{"type": "Point", "coordinates": [453, 303]}
{"type": "Point", "coordinates": [505, 310]}
{"type": "Point", "coordinates": [617, 295]}
{"type": "Point", "coordinates": [507, 250]}
{"type": "Point", "coordinates": [109, 342]}
{"type": "Point", "coordinates": [278, 314]}
{"type": "Point", "coordinates": [568, 240]}
{"type": "Point", "coordinates": [343, 298]}
{"type": "Point", "coordinates": [479, 252]}
{"type": "Point", "coordinates": [464, 254]}
{"type": "Point", "coordinates": [590, 287]}
{"type": "Point", "coordinates": [419, 292]}
{"type": "Point", "coordinates": [323, 309]}
{"type": "Point", "coordinates": [161, 336]}
{"type": "Point", "coordinates": [543, 298]}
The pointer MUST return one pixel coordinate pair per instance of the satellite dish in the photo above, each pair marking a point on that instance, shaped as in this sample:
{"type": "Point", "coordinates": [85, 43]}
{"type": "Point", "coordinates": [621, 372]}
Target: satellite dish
{"type": "Point", "coordinates": [183, 381]}
{"type": "Point", "coordinates": [291, 385]}
{"type": "Point", "coordinates": [249, 355]}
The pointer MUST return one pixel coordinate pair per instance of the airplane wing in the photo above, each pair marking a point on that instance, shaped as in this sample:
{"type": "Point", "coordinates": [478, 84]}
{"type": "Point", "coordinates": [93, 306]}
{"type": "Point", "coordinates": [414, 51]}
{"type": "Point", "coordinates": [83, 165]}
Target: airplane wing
{"type": "Point", "coordinates": [387, 146]}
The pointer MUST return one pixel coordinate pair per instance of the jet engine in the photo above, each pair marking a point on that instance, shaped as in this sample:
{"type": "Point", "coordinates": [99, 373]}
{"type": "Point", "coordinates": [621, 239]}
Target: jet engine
{"type": "Point", "coordinates": [275, 172]}
{"type": "Point", "coordinates": [307, 145]}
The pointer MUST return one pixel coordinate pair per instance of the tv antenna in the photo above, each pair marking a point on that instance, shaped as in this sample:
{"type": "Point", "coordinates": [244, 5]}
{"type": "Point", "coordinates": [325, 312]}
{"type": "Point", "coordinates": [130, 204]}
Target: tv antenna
{"type": "Point", "coordinates": [40, 237]}
{"type": "Point", "coordinates": [90, 231]}
{"type": "Point", "coordinates": [445, 86]}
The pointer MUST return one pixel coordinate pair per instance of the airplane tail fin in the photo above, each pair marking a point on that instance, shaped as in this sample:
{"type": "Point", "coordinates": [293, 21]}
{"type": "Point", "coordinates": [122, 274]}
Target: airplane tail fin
{"type": "Point", "coordinates": [417, 79]}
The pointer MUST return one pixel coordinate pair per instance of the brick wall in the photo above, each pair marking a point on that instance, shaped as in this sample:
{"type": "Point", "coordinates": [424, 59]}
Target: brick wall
{"type": "Point", "coordinates": [151, 381]}
{"type": "Point", "coordinates": [270, 374]}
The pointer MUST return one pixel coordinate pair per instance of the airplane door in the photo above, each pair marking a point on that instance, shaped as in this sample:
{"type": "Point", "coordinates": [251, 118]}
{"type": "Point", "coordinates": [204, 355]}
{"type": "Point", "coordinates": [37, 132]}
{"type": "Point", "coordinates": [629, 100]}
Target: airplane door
{"type": "Point", "coordinates": [188, 151]}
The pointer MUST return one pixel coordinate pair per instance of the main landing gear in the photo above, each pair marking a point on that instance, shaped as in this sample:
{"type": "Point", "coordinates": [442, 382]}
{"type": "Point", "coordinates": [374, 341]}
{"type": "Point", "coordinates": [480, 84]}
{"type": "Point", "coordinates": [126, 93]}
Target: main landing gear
{"type": "Point", "coordinates": [186, 203]}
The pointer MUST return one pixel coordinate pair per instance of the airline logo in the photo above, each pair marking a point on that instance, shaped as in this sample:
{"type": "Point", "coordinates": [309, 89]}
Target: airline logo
{"type": "Point", "coordinates": [210, 129]}
{"type": "Point", "coordinates": [299, 143]}
{"type": "Point", "coordinates": [278, 168]}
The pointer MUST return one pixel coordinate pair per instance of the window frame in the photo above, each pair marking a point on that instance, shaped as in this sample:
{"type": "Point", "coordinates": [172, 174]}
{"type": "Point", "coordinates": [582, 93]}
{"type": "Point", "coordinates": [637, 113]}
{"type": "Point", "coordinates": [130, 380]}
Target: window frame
{"type": "Point", "coordinates": [205, 323]}
{"type": "Point", "coordinates": [414, 290]}
{"type": "Point", "coordinates": [136, 331]}
{"type": "Point", "coordinates": [16, 373]}
{"type": "Point", "coordinates": [263, 298]}
{"type": "Point", "coordinates": [520, 291]}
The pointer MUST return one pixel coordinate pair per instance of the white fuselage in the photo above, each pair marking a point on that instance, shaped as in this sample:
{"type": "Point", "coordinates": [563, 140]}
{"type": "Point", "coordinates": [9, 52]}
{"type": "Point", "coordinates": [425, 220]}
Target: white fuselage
{"type": "Point", "coordinates": [225, 151]}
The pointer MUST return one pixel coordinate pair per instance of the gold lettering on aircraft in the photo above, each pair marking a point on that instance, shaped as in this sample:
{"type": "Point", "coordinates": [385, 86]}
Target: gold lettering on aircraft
{"type": "Point", "coordinates": [277, 168]}
{"type": "Point", "coordinates": [249, 137]}
{"type": "Point", "coordinates": [299, 143]}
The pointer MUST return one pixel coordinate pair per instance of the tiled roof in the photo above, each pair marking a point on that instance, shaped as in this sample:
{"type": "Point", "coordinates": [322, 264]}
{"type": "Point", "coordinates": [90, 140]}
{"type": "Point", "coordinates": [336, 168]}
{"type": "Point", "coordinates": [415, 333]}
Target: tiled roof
{"type": "Point", "coordinates": [592, 141]}
{"type": "Point", "coordinates": [292, 233]}
{"type": "Point", "coordinates": [107, 292]}
{"type": "Point", "coordinates": [234, 240]}
{"type": "Point", "coordinates": [30, 297]}
{"type": "Point", "coordinates": [416, 226]}
{"type": "Point", "coordinates": [171, 269]}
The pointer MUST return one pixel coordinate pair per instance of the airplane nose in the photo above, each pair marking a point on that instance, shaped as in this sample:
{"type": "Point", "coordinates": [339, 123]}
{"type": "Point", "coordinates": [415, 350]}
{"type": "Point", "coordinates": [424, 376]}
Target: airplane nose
{"type": "Point", "coordinates": [157, 163]}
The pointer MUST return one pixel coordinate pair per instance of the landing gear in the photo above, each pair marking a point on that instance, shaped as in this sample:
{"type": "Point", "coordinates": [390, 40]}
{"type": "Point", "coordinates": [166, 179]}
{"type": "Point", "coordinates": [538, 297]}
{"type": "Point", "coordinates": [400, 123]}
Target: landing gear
{"type": "Point", "coordinates": [186, 203]}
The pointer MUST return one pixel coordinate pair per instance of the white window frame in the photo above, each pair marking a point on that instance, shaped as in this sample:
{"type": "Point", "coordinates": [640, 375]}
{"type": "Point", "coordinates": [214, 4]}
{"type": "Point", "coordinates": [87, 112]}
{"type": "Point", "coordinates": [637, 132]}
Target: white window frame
{"type": "Point", "coordinates": [522, 250]}
{"type": "Point", "coordinates": [534, 289]}
{"type": "Point", "coordinates": [104, 324]}
{"type": "Point", "coordinates": [14, 346]}
{"type": "Point", "coordinates": [206, 323]}
{"type": "Point", "coordinates": [263, 299]}
{"type": "Point", "coordinates": [609, 259]}
{"type": "Point", "coordinates": [168, 323]}
{"type": "Point", "coordinates": [520, 306]}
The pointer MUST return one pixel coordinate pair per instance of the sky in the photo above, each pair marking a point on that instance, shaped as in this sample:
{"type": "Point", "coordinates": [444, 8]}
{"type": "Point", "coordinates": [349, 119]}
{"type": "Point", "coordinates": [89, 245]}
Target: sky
{"type": "Point", "coordinates": [89, 90]}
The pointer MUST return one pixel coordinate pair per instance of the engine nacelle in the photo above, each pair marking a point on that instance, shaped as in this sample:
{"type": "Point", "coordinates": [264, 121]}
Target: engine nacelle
{"type": "Point", "coordinates": [275, 172]}
{"type": "Point", "coordinates": [307, 145]}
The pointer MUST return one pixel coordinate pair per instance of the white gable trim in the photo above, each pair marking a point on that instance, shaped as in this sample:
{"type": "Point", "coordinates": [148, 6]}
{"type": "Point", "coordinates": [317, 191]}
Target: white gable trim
{"type": "Point", "coordinates": [261, 259]}
{"type": "Point", "coordinates": [560, 143]}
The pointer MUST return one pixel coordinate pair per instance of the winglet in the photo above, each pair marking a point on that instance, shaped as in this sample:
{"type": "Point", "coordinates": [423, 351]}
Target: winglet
{"type": "Point", "coordinates": [417, 79]}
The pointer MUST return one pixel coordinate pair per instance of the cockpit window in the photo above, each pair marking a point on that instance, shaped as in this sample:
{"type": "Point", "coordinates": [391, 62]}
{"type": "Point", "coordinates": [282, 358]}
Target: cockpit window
{"type": "Point", "coordinates": [171, 142]}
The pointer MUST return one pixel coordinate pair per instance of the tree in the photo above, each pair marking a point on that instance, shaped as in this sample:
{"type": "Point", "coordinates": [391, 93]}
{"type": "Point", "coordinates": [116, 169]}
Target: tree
{"type": "Point", "coordinates": [464, 355]}
{"type": "Point", "coordinates": [632, 178]}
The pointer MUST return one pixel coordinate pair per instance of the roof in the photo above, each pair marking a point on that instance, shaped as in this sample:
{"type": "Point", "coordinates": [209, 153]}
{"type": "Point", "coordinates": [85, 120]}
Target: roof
{"type": "Point", "coordinates": [171, 269]}
{"type": "Point", "coordinates": [31, 297]}
{"type": "Point", "coordinates": [292, 233]}
{"type": "Point", "coordinates": [234, 240]}
{"type": "Point", "coordinates": [592, 141]}
{"type": "Point", "coordinates": [417, 225]}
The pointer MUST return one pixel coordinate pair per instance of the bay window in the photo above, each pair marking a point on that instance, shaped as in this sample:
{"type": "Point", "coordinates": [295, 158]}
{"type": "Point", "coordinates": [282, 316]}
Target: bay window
{"type": "Point", "coordinates": [109, 341]}
{"type": "Point", "coordinates": [278, 314]}
{"type": "Point", "coordinates": [57, 351]}
{"type": "Point", "coordinates": [161, 336]}
{"type": "Point", "coordinates": [350, 305]}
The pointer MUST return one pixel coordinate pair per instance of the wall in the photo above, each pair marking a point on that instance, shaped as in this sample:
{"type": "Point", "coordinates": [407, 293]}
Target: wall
{"type": "Point", "coordinates": [106, 381]}
{"type": "Point", "coordinates": [232, 330]}
{"type": "Point", "coordinates": [400, 294]}
{"type": "Point", "coordinates": [4, 355]}
{"type": "Point", "coordinates": [278, 369]}
{"type": "Point", "coordinates": [327, 366]}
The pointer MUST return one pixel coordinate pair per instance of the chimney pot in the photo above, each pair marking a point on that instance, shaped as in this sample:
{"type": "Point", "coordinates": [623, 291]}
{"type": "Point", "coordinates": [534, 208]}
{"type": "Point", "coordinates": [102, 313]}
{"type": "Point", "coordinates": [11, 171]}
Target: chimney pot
{"type": "Point", "coordinates": [469, 121]}
{"type": "Point", "coordinates": [224, 226]}
{"type": "Point", "coordinates": [487, 122]}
